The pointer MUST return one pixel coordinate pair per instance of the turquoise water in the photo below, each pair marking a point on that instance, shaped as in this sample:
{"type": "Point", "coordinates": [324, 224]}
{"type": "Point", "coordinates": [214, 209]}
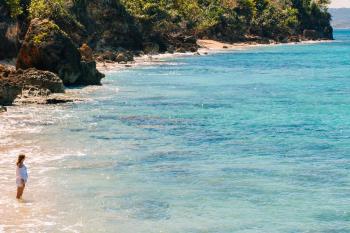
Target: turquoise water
{"type": "Point", "coordinates": [253, 141]}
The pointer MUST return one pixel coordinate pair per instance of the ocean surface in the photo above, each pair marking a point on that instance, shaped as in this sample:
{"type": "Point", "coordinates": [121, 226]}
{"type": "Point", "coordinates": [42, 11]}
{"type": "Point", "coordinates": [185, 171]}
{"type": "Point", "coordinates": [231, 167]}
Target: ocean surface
{"type": "Point", "coordinates": [252, 141]}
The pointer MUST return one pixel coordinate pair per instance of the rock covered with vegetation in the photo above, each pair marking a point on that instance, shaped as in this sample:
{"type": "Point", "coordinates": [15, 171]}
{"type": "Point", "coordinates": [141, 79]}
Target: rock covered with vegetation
{"type": "Point", "coordinates": [47, 47]}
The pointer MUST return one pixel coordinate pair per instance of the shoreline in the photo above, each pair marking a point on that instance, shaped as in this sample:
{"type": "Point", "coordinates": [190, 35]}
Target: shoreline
{"type": "Point", "coordinates": [206, 47]}
{"type": "Point", "coordinates": [10, 150]}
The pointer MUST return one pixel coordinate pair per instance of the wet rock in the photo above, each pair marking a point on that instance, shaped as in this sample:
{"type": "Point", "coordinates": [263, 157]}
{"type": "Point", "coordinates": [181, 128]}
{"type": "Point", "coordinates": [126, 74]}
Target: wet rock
{"type": "Point", "coordinates": [58, 100]}
{"type": "Point", "coordinates": [41, 79]}
{"type": "Point", "coordinates": [31, 82]}
{"type": "Point", "coordinates": [8, 92]}
{"type": "Point", "coordinates": [3, 109]}
{"type": "Point", "coordinates": [50, 99]}
{"type": "Point", "coordinates": [91, 75]}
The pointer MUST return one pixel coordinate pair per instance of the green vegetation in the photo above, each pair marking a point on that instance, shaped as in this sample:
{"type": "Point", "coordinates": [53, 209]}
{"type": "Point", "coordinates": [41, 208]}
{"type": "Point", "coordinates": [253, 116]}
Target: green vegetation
{"type": "Point", "coordinates": [55, 10]}
{"type": "Point", "coordinates": [38, 39]}
{"type": "Point", "coordinates": [15, 7]}
{"type": "Point", "coordinates": [233, 19]}
{"type": "Point", "coordinates": [46, 27]}
{"type": "Point", "coordinates": [47, 9]}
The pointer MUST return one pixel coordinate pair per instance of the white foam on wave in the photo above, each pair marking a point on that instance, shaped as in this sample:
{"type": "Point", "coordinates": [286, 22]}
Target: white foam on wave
{"type": "Point", "coordinates": [21, 129]}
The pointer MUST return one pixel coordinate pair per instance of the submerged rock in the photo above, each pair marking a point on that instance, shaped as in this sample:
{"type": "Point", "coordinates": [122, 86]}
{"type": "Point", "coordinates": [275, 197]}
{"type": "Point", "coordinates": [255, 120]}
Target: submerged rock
{"type": "Point", "coordinates": [47, 47]}
{"type": "Point", "coordinates": [50, 99]}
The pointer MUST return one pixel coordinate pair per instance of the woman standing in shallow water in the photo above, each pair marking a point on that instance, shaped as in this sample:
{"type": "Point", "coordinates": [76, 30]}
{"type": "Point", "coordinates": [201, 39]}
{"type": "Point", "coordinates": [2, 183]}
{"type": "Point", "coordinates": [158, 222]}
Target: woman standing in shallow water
{"type": "Point", "coordinates": [21, 175]}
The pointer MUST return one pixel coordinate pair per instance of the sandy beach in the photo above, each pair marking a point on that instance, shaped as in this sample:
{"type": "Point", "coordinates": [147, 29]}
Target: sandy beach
{"type": "Point", "coordinates": [205, 47]}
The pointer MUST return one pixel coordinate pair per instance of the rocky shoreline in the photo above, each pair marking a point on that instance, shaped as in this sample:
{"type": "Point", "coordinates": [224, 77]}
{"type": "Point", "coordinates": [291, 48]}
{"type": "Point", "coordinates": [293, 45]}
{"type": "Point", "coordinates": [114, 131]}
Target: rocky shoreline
{"type": "Point", "coordinates": [58, 44]}
{"type": "Point", "coordinates": [33, 86]}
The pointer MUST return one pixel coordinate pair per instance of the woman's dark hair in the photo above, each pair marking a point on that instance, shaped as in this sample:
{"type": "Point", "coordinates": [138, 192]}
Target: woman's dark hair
{"type": "Point", "coordinates": [20, 159]}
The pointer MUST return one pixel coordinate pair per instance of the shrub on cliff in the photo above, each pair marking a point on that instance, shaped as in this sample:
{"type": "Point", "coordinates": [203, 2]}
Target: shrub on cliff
{"type": "Point", "coordinates": [230, 19]}
{"type": "Point", "coordinates": [47, 47]}
{"type": "Point", "coordinates": [14, 7]}
{"type": "Point", "coordinates": [56, 10]}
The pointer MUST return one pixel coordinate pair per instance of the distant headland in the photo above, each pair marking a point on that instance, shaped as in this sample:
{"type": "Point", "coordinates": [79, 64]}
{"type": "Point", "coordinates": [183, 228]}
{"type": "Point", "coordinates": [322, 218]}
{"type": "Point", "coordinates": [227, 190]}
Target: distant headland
{"type": "Point", "coordinates": [340, 17]}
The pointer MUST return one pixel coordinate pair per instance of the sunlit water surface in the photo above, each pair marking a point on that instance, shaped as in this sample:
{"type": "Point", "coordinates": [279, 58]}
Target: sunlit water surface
{"type": "Point", "coordinates": [253, 141]}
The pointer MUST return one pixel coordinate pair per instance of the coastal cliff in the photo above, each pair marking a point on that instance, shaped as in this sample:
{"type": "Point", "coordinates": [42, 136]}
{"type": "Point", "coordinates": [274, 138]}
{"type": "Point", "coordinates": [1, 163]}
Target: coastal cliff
{"type": "Point", "coordinates": [66, 37]}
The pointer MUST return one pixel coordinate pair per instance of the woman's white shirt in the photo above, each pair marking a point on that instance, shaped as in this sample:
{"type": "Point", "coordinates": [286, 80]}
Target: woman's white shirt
{"type": "Point", "coordinates": [21, 173]}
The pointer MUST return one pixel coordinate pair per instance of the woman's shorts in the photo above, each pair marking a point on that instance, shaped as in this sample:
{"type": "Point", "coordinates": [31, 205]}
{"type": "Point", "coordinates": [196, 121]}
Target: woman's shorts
{"type": "Point", "coordinates": [19, 183]}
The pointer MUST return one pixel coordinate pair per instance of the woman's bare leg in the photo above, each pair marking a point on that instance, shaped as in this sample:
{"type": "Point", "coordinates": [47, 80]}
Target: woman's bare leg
{"type": "Point", "coordinates": [20, 191]}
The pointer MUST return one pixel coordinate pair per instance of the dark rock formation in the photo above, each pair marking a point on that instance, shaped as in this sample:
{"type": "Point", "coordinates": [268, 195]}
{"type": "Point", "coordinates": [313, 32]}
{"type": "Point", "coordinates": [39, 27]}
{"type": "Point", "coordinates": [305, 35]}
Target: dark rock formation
{"type": "Point", "coordinates": [40, 79]}
{"type": "Point", "coordinates": [108, 24]}
{"type": "Point", "coordinates": [8, 92]}
{"type": "Point", "coordinates": [33, 82]}
{"type": "Point", "coordinates": [122, 56]}
{"type": "Point", "coordinates": [47, 47]}
{"type": "Point", "coordinates": [8, 33]}
{"type": "Point", "coordinates": [311, 34]}
{"type": "Point", "coordinates": [3, 109]}
{"type": "Point", "coordinates": [89, 74]}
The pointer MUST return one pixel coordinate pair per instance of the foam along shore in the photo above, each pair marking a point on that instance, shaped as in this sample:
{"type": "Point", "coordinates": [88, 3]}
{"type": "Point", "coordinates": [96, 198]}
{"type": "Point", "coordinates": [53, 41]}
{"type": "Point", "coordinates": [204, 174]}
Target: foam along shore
{"type": "Point", "coordinates": [205, 47]}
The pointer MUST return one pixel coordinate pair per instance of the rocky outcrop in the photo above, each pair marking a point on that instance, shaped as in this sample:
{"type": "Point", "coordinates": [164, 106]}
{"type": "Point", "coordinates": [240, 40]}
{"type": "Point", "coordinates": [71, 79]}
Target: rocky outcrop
{"type": "Point", "coordinates": [122, 56]}
{"type": "Point", "coordinates": [311, 34]}
{"type": "Point", "coordinates": [8, 33]}
{"type": "Point", "coordinates": [43, 80]}
{"type": "Point", "coordinates": [32, 82]}
{"type": "Point", "coordinates": [89, 74]}
{"type": "Point", "coordinates": [86, 53]}
{"type": "Point", "coordinates": [108, 24]}
{"type": "Point", "coordinates": [8, 92]}
{"type": "Point", "coordinates": [47, 47]}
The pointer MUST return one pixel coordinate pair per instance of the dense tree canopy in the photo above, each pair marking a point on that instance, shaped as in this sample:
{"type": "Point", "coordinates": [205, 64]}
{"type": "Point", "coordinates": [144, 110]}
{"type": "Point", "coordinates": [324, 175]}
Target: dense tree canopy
{"type": "Point", "coordinates": [267, 18]}
{"type": "Point", "coordinates": [230, 20]}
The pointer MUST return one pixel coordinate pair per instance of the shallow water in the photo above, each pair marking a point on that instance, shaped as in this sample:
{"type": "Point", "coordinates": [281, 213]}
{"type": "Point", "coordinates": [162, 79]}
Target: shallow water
{"type": "Point", "coordinates": [247, 141]}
